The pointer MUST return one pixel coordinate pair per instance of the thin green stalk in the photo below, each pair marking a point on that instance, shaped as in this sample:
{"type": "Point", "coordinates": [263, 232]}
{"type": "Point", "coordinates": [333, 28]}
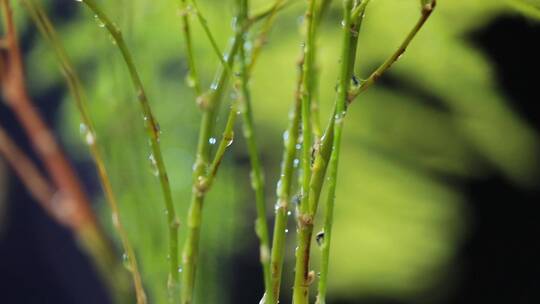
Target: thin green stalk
{"type": "Point", "coordinates": [304, 218]}
{"type": "Point", "coordinates": [47, 29]}
{"type": "Point", "coordinates": [343, 100]}
{"type": "Point", "coordinates": [261, 224]}
{"type": "Point", "coordinates": [321, 10]}
{"type": "Point", "coordinates": [153, 133]}
{"type": "Point", "coordinates": [427, 9]}
{"type": "Point", "coordinates": [205, 171]}
{"type": "Point", "coordinates": [283, 191]}
{"type": "Point", "coordinates": [284, 183]}
{"type": "Point", "coordinates": [193, 77]}
{"type": "Point", "coordinates": [350, 29]}
{"type": "Point", "coordinates": [261, 38]}
{"type": "Point", "coordinates": [208, 33]}
{"type": "Point", "coordinates": [226, 140]}
{"type": "Point", "coordinates": [272, 10]}
{"type": "Point", "coordinates": [209, 104]}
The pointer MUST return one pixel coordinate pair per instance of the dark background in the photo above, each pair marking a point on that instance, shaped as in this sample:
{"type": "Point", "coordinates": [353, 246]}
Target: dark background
{"type": "Point", "coordinates": [498, 263]}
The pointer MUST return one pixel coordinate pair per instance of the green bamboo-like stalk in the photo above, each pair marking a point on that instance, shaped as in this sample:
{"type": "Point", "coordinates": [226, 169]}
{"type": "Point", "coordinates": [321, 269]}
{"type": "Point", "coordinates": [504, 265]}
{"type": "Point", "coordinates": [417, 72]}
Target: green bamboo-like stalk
{"type": "Point", "coordinates": [208, 33]}
{"type": "Point", "coordinates": [304, 218]}
{"type": "Point", "coordinates": [153, 134]}
{"type": "Point", "coordinates": [427, 9]}
{"type": "Point", "coordinates": [351, 27]}
{"type": "Point", "coordinates": [47, 29]}
{"type": "Point", "coordinates": [261, 38]}
{"type": "Point", "coordinates": [192, 77]}
{"type": "Point", "coordinates": [205, 170]}
{"type": "Point", "coordinates": [209, 104]}
{"type": "Point", "coordinates": [257, 183]}
{"type": "Point", "coordinates": [343, 100]}
{"type": "Point", "coordinates": [283, 191]}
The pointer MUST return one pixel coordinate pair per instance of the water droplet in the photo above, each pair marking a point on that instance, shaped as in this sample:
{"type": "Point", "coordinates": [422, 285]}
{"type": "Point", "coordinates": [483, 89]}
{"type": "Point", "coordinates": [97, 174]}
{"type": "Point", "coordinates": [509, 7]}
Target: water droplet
{"type": "Point", "coordinates": [82, 127]}
{"type": "Point", "coordinates": [180, 269]}
{"type": "Point", "coordinates": [212, 140]}
{"type": "Point", "coordinates": [286, 230]}
{"type": "Point", "coordinates": [289, 213]}
{"type": "Point", "coordinates": [98, 21]}
{"type": "Point", "coordinates": [342, 23]}
{"type": "Point", "coordinates": [214, 86]}
{"type": "Point", "coordinates": [190, 80]}
{"type": "Point", "coordinates": [88, 135]}
{"type": "Point", "coordinates": [126, 262]}
{"type": "Point", "coordinates": [320, 238]}
{"type": "Point", "coordinates": [248, 46]}
{"type": "Point", "coordinates": [298, 146]}
{"type": "Point", "coordinates": [234, 22]}
{"type": "Point", "coordinates": [78, 0]}
{"type": "Point", "coordinates": [111, 37]}
{"type": "Point", "coordinates": [279, 186]}
{"type": "Point", "coordinates": [153, 164]}
{"type": "Point", "coordinates": [254, 181]}
{"type": "Point", "coordinates": [90, 138]}
{"type": "Point", "coordinates": [229, 140]}
{"type": "Point", "coordinates": [296, 162]}
{"type": "Point", "coordinates": [355, 80]}
{"type": "Point", "coordinates": [286, 137]}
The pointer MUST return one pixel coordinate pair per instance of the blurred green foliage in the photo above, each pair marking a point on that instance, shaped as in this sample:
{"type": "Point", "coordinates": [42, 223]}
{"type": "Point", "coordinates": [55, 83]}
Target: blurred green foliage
{"type": "Point", "coordinates": [398, 223]}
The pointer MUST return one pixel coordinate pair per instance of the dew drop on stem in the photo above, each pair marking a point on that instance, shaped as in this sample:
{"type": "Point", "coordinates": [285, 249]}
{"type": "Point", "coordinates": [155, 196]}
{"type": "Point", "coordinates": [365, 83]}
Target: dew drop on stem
{"type": "Point", "coordinates": [153, 164]}
{"type": "Point", "coordinates": [190, 80]}
{"type": "Point", "coordinates": [126, 262]}
{"type": "Point", "coordinates": [320, 238]}
{"type": "Point", "coordinates": [212, 140]}
{"type": "Point", "coordinates": [98, 21]}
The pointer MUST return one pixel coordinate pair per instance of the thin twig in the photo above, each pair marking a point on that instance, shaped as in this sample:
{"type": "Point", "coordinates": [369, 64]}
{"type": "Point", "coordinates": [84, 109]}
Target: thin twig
{"type": "Point", "coordinates": [257, 183]}
{"type": "Point", "coordinates": [341, 106]}
{"type": "Point", "coordinates": [37, 185]}
{"type": "Point", "coordinates": [153, 133]}
{"type": "Point", "coordinates": [261, 38]}
{"type": "Point", "coordinates": [427, 9]}
{"type": "Point", "coordinates": [193, 77]}
{"type": "Point", "coordinates": [209, 104]}
{"type": "Point", "coordinates": [47, 29]}
{"type": "Point", "coordinates": [290, 140]}
{"type": "Point", "coordinates": [77, 206]}
{"type": "Point", "coordinates": [304, 219]}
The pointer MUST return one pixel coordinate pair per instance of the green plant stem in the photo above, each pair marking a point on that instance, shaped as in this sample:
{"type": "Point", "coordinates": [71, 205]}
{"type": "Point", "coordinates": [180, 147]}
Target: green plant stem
{"type": "Point", "coordinates": [427, 9]}
{"type": "Point", "coordinates": [343, 99]}
{"type": "Point", "coordinates": [257, 183]}
{"type": "Point", "coordinates": [208, 33]}
{"type": "Point", "coordinates": [261, 38]}
{"type": "Point", "coordinates": [193, 77]}
{"type": "Point", "coordinates": [47, 29]}
{"type": "Point", "coordinates": [283, 191]}
{"type": "Point", "coordinates": [304, 218]}
{"type": "Point", "coordinates": [226, 140]}
{"type": "Point", "coordinates": [209, 104]}
{"type": "Point", "coordinates": [153, 134]}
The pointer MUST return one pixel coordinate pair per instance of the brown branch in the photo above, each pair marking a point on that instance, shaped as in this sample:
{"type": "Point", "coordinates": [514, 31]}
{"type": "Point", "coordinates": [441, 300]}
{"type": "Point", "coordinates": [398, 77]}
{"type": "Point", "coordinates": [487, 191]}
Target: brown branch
{"type": "Point", "coordinates": [38, 186]}
{"type": "Point", "coordinates": [74, 201]}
